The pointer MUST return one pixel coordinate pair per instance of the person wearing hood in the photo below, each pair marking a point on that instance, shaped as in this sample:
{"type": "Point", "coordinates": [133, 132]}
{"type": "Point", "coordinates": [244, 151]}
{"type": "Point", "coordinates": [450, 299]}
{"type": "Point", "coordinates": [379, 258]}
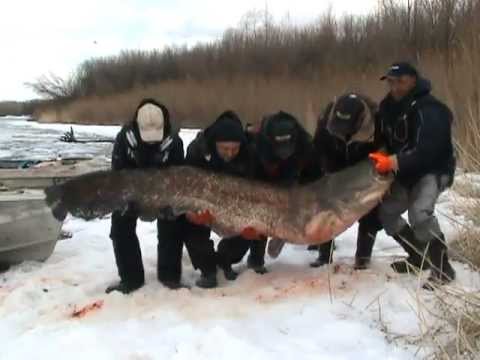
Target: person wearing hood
{"type": "Point", "coordinates": [148, 141]}
{"type": "Point", "coordinates": [283, 153]}
{"type": "Point", "coordinates": [346, 135]}
{"type": "Point", "coordinates": [347, 132]}
{"type": "Point", "coordinates": [222, 147]}
{"type": "Point", "coordinates": [417, 135]}
{"type": "Point", "coordinates": [283, 150]}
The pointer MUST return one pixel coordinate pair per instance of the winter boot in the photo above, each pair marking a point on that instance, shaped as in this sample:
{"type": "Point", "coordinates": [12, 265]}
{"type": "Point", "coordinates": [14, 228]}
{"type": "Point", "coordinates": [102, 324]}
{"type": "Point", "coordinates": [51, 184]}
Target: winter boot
{"type": "Point", "coordinates": [128, 257]}
{"type": "Point", "coordinates": [229, 273]}
{"type": "Point", "coordinates": [207, 281]}
{"type": "Point", "coordinates": [441, 272]}
{"type": "Point", "coordinates": [415, 260]}
{"type": "Point", "coordinates": [361, 263]}
{"type": "Point", "coordinates": [321, 260]}
{"type": "Point", "coordinates": [124, 287]}
{"type": "Point", "coordinates": [256, 266]}
{"type": "Point", "coordinates": [365, 242]}
{"type": "Point", "coordinates": [174, 285]}
{"type": "Point", "coordinates": [4, 267]}
{"type": "Point", "coordinates": [169, 267]}
{"type": "Point", "coordinates": [325, 255]}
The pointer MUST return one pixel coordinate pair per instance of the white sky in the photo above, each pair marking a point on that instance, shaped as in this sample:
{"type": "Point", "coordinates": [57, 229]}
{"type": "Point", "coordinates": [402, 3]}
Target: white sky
{"type": "Point", "coordinates": [38, 37]}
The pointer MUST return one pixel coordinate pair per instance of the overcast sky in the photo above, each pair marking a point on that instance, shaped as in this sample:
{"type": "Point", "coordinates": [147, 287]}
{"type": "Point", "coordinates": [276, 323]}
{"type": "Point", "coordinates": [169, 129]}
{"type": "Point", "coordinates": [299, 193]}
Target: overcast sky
{"type": "Point", "coordinates": [38, 37]}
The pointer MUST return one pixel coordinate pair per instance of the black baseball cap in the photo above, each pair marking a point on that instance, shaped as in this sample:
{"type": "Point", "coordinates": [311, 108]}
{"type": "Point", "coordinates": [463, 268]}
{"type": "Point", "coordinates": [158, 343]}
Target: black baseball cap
{"type": "Point", "coordinates": [399, 69]}
{"type": "Point", "coordinates": [346, 116]}
{"type": "Point", "coordinates": [282, 131]}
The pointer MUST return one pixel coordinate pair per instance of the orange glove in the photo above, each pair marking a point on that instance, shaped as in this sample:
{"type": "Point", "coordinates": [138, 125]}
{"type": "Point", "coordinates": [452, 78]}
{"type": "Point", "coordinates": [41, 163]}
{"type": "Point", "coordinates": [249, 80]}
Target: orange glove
{"type": "Point", "coordinates": [250, 233]}
{"type": "Point", "coordinates": [200, 218]}
{"type": "Point", "coordinates": [383, 162]}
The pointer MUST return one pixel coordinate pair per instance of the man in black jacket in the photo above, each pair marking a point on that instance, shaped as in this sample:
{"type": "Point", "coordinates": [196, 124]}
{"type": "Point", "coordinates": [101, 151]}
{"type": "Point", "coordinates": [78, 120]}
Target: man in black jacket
{"type": "Point", "coordinates": [283, 150]}
{"type": "Point", "coordinates": [148, 141]}
{"type": "Point", "coordinates": [222, 147]}
{"type": "Point", "coordinates": [283, 153]}
{"type": "Point", "coordinates": [416, 130]}
{"type": "Point", "coordinates": [345, 135]}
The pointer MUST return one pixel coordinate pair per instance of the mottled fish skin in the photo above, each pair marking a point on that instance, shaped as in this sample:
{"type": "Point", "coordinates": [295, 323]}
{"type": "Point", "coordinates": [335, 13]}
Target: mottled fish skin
{"type": "Point", "coordinates": [307, 214]}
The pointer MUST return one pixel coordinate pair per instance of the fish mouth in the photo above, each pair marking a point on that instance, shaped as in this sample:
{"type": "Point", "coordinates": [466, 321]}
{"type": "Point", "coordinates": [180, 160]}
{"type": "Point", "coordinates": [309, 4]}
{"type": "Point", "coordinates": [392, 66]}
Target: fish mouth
{"type": "Point", "coordinates": [322, 228]}
{"type": "Point", "coordinates": [381, 178]}
{"type": "Point", "coordinates": [372, 197]}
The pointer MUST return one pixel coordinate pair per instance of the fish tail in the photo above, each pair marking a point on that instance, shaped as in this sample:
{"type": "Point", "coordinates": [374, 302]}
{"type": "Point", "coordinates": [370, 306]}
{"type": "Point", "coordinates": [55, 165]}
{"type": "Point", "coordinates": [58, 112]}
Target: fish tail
{"type": "Point", "coordinates": [54, 196]}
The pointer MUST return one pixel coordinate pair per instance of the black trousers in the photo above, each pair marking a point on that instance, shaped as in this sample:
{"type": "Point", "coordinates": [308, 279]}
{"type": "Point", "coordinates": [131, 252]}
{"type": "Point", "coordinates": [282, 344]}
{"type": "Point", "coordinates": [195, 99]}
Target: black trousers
{"type": "Point", "coordinates": [232, 250]}
{"type": "Point", "coordinates": [200, 247]}
{"type": "Point", "coordinates": [128, 256]}
{"type": "Point", "coordinates": [170, 249]}
{"type": "Point", "coordinates": [368, 227]}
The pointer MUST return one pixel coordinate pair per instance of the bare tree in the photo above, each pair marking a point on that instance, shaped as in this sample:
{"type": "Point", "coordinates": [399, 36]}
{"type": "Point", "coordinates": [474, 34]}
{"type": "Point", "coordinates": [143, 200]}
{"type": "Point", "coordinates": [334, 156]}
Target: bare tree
{"type": "Point", "coordinates": [261, 47]}
{"type": "Point", "coordinates": [53, 87]}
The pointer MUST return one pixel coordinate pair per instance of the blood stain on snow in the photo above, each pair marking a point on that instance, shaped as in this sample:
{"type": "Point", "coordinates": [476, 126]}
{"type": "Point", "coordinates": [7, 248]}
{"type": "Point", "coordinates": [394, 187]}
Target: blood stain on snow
{"type": "Point", "coordinates": [82, 312]}
{"type": "Point", "coordinates": [295, 289]}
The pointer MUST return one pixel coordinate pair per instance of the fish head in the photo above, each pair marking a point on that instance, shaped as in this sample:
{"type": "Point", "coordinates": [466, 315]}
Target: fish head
{"type": "Point", "coordinates": [321, 228]}
{"type": "Point", "coordinates": [343, 198]}
{"type": "Point", "coordinates": [367, 187]}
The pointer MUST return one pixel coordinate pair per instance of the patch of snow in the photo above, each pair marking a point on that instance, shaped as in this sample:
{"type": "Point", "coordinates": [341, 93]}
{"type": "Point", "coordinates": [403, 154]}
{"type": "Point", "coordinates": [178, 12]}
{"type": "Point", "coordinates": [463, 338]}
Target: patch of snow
{"type": "Point", "coordinates": [292, 312]}
{"type": "Point", "coordinates": [102, 130]}
{"type": "Point", "coordinates": [15, 117]}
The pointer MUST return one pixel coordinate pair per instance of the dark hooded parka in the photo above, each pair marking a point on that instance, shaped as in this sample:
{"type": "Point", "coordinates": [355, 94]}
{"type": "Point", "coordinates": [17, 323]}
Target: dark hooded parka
{"type": "Point", "coordinates": [416, 130]}
{"type": "Point", "coordinates": [202, 152]}
{"type": "Point", "coordinates": [131, 152]}
{"type": "Point", "coordinates": [347, 132]}
{"type": "Point", "coordinates": [282, 151]}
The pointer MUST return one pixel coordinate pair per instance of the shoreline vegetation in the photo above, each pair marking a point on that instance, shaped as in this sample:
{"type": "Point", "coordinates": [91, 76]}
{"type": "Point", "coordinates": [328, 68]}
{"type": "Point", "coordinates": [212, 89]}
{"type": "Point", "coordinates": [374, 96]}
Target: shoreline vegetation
{"type": "Point", "coordinates": [262, 65]}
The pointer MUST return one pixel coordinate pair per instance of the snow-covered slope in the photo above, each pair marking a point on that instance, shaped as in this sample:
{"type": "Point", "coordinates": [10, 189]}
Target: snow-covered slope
{"type": "Point", "coordinates": [293, 312]}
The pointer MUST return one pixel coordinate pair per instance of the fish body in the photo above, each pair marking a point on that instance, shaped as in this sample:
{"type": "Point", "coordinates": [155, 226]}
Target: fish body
{"type": "Point", "coordinates": [303, 214]}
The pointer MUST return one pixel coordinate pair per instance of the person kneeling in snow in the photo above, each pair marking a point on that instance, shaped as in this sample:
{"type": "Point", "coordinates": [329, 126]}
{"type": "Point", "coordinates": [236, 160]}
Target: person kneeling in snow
{"type": "Point", "coordinates": [148, 141]}
{"type": "Point", "coordinates": [416, 130]}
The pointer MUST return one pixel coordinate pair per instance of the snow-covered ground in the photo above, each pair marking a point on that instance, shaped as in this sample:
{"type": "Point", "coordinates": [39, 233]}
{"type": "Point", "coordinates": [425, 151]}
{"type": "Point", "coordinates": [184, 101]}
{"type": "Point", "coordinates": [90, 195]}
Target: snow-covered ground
{"type": "Point", "coordinates": [293, 312]}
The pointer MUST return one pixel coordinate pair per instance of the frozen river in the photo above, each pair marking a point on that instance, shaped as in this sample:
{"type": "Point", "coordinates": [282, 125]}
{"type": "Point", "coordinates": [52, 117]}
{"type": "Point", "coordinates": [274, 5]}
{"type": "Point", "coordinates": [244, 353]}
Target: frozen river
{"type": "Point", "coordinates": [24, 140]}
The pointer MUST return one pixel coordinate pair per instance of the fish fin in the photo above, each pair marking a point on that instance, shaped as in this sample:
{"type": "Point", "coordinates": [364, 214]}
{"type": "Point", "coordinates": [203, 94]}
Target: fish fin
{"type": "Point", "coordinates": [274, 247]}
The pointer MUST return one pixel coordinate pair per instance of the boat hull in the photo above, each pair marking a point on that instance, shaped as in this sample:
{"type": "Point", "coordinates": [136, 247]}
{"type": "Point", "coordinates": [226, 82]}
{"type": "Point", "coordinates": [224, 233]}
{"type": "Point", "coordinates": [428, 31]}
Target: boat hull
{"type": "Point", "coordinates": [28, 231]}
{"type": "Point", "coordinates": [46, 173]}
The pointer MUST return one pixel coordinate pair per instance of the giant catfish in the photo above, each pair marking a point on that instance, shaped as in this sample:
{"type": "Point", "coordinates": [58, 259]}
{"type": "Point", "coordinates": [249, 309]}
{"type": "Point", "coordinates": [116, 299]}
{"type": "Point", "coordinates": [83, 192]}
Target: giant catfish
{"type": "Point", "coordinates": [305, 214]}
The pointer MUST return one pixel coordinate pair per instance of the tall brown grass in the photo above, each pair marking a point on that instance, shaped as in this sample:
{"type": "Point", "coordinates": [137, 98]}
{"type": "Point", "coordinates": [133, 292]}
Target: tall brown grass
{"type": "Point", "coordinates": [195, 103]}
{"type": "Point", "coordinates": [261, 66]}
{"type": "Point", "coordinates": [453, 327]}
{"type": "Point", "coordinates": [16, 108]}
